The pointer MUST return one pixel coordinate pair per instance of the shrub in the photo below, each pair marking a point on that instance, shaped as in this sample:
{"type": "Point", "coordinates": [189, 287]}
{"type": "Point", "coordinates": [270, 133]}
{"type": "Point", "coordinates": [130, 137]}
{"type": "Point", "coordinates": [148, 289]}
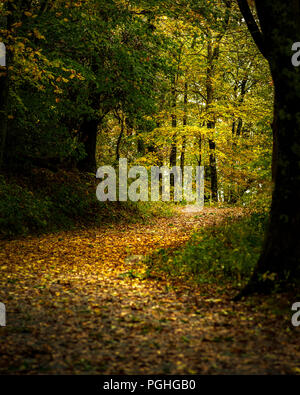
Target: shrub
{"type": "Point", "coordinates": [20, 210]}
{"type": "Point", "coordinates": [228, 252]}
{"type": "Point", "coordinates": [48, 201]}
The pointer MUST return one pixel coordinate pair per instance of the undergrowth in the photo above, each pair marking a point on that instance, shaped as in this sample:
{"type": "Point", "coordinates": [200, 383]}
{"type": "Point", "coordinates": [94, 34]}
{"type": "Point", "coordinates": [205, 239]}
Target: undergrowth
{"type": "Point", "coordinates": [46, 201]}
{"type": "Point", "coordinates": [227, 252]}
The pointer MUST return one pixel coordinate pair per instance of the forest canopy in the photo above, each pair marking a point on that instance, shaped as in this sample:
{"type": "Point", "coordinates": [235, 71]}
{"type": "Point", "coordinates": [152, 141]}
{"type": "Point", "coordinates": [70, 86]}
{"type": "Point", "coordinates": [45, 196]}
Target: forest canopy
{"type": "Point", "coordinates": [156, 82]}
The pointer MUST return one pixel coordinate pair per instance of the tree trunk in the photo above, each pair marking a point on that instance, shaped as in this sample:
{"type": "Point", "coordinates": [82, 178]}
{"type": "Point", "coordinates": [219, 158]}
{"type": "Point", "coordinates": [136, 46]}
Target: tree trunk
{"type": "Point", "coordinates": [88, 131]}
{"type": "Point", "coordinates": [200, 151]}
{"type": "Point", "coordinates": [241, 101]}
{"type": "Point", "coordinates": [279, 263]}
{"type": "Point", "coordinates": [118, 146]}
{"type": "Point", "coordinates": [213, 168]}
{"type": "Point", "coordinates": [4, 80]}
{"type": "Point", "coordinates": [182, 156]}
{"type": "Point", "coordinates": [212, 55]}
{"type": "Point", "coordinates": [173, 154]}
{"type": "Point", "coordinates": [237, 127]}
{"type": "Point", "coordinates": [88, 136]}
{"type": "Point", "coordinates": [3, 112]}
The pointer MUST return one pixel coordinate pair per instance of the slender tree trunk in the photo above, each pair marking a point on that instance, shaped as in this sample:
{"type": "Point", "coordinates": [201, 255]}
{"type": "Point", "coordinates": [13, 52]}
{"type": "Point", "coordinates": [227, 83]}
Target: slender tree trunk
{"type": "Point", "coordinates": [4, 81]}
{"type": "Point", "coordinates": [89, 131]}
{"type": "Point", "coordinates": [213, 51]}
{"type": "Point", "coordinates": [173, 154]}
{"type": "Point", "coordinates": [182, 156]}
{"type": "Point", "coordinates": [200, 150]}
{"type": "Point", "coordinates": [3, 112]}
{"type": "Point", "coordinates": [152, 148]}
{"type": "Point", "coordinates": [213, 168]}
{"type": "Point", "coordinates": [88, 136]}
{"type": "Point", "coordinates": [121, 134]}
{"type": "Point", "coordinates": [211, 57]}
{"type": "Point", "coordinates": [241, 101]}
{"type": "Point", "coordinates": [140, 147]}
{"type": "Point", "coordinates": [237, 126]}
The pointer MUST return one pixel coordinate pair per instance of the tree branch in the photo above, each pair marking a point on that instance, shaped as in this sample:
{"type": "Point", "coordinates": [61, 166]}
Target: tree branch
{"type": "Point", "coordinates": [252, 27]}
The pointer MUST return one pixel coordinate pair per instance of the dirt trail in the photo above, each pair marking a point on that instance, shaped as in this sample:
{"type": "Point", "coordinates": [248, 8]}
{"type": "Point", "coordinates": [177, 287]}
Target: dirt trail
{"type": "Point", "coordinates": [72, 308]}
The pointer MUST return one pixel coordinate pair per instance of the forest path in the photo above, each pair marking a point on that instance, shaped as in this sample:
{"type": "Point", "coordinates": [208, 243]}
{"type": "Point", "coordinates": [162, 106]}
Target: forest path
{"type": "Point", "coordinates": [73, 306]}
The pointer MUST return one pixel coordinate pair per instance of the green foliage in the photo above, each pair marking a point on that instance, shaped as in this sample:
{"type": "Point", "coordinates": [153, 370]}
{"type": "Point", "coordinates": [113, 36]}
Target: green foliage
{"type": "Point", "coordinates": [72, 62]}
{"type": "Point", "coordinates": [258, 199]}
{"type": "Point", "coordinates": [49, 201]}
{"type": "Point", "coordinates": [227, 252]}
{"type": "Point", "coordinates": [150, 210]}
{"type": "Point", "coordinates": [103, 79]}
{"type": "Point", "coordinates": [21, 210]}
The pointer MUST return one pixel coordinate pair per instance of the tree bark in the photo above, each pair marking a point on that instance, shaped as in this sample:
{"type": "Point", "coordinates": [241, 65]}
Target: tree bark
{"type": "Point", "coordinates": [4, 82]}
{"type": "Point", "coordinates": [241, 101]}
{"type": "Point", "coordinates": [3, 112]}
{"type": "Point", "coordinates": [88, 135]}
{"type": "Point", "coordinates": [118, 146]}
{"type": "Point", "coordinates": [212, 56]}
{"type": "Point", "coordinates": [182, 156]}
{"type": "Point", "coordinates": [89, 131]}
{"type": "Point", "coordinates": [279, 263]}
{"type": "Point", "coordinates": [237, 127]}
{"type": "Point", "coordinates": [213, 167]}
{"type": "Point", "coordinates": [173, 154]}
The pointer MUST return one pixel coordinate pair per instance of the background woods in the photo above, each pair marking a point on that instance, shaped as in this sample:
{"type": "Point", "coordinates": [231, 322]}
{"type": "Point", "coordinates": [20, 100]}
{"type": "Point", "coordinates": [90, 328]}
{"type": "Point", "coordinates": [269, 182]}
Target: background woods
{"type": "Point", "coordinates": [90, 82]}
{"type": "Point", "coordinates": [149, 287]}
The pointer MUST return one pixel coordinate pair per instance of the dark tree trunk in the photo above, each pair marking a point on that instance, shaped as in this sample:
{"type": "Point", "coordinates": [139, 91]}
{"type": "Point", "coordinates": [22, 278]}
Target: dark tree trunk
{"type": "Point", "coordinates": [3, 112]}
{"type": "Point", "coordinates": [13, 9]}
{"type": "Point", "coordinates": [275, 144]}
{"type": "Point", "coordinates": [173, 154]}
{"type": "Point", "coordinates": [241, 101]}
{"type": "Point", "coordinates": [88, 136]}
{"type": "Point", "coordinates": [118, 146]}
{"type": "Point", "coordinates": [213, 52]}
{"type": "Point", "coordinates": [237, 127]}
{"type": "Point", "coordinates": [88, 131]}
{"type": "Point", "coordinates": [212, 56]}
{"type": "Point", "coordinates": [200, 151]}
{"type": "Point", "coordinates": [182, 156]}
{"type": "Point", "coordinates": [213, 169]}
{"type": "Point", "coordinates": [140, 147]}
{"type": "Point", "coordinates": [279, 263]}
